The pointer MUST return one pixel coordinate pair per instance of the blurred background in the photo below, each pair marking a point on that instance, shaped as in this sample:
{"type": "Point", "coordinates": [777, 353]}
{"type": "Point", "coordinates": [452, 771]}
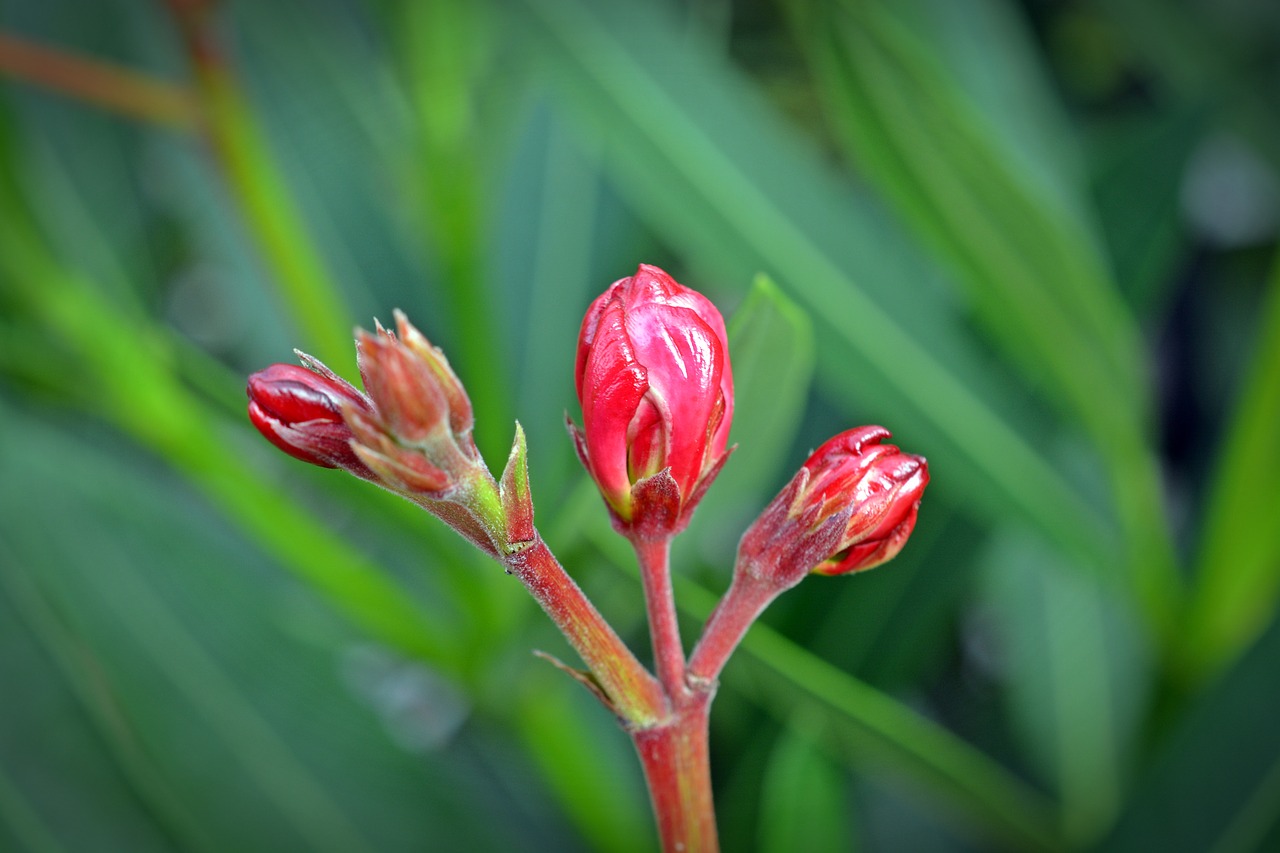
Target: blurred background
{"type": "Point", "coordinates": [1034, 238]}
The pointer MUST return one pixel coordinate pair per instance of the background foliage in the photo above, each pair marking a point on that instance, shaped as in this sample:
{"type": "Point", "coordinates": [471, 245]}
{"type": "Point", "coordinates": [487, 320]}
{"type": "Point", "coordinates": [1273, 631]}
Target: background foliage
{"type": "Point", "coordinates": [1033, 238]}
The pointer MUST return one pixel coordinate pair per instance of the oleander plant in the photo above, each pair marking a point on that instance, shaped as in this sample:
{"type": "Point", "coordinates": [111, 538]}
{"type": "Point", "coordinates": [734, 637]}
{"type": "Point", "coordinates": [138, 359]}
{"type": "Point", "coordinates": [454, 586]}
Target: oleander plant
{"type": "Point", "coordinates": [1037, 241]}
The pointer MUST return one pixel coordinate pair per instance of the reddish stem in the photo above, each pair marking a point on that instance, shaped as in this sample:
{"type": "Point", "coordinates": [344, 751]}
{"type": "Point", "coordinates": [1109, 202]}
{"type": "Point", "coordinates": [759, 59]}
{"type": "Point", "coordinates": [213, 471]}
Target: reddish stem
{"type": "Point", "coordinates": [634, 694]}
{"type": "Point", "coordinates": [747, 597]}
{"type": "Point", "coordinates": [660, 604]}
{"type": "Point", "coordinates": [677, 768]}
{"type": "Point", "coordinates": [102, 83]}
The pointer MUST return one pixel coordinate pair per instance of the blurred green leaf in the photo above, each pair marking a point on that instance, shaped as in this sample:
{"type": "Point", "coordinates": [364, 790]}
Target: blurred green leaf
{"type": "Point", "coordinates": [772, 351]}
{"type": "Point", "coordinates": [1238, 565]}
{"type": "Point", "coordinates": [1077, 677]}
{"type": "Point", "coordinates": [1017, 237]}
{"type": "Point", "coordinates": [171, 632]}
{"type": "Point", "coordinates": [805, 804]}
{"type": "Point", "coordinates": [948, 121]}
{"type": "Point", "coordinates": [712, 168]}
{"type": "Point", "coordinates": [60, 789]}
{"type": "Point", "coordinates": [1215, 781]}
{"type": "Point", "coordinates": [582, 753]}
{"type": "Point", "coordinates": [272, 215]}
{"type": "Point", "coordinates": [447, 49]}
{"type": "Point", "coordinates": [1137, 184]}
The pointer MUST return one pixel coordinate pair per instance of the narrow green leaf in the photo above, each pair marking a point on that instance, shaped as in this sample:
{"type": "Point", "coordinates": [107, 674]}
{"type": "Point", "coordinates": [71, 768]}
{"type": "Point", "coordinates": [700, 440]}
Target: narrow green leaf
{"type": "Point", "coordinates": [448, 52]}
{"type": "Point", "coordinates": [1137, 177]}
{"type": "Point", "coordinates": [1215, 783]}
{"type": "Point", "coordinates": [937, 140]}
{"type": "Point", "coordinates": [771, 349]}
{"type": "Point", "coordinates": [210, 678]}
{"type": "Point", "coordinates": [1030, 266]}
{"type": "Point", "coordinates": [1076, 675]}
{"type": "Point", "coordinates": [703, 159]}
{"type": "Point", "coordinates": [806, 803]}
{"type": "Point", "coordinates": [271, 213]}
{"type": "Point", "coordinates": [19, 821]}
{"type": "Point", "coordinates": [581, 754]}
{"type": "Point", "coordinates": [1238, 561]}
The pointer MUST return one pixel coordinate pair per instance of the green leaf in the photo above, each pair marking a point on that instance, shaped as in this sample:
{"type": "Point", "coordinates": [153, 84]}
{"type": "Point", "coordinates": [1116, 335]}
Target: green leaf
{"type": "Point", "coordinates": [1215, 782]}
{"type": "Point", "coordinates": [583, 755]}
{"type": "Point", "coordinates": [210, 678]}
{"type": "Point", "coordinates": [1077, 678]}
{"type": "Point", "coordinates": [771, 349]}
{"type": "Point", "coordinates": [1137, 179]}
{"type": "Point", "coordinates": [985, 198]}
{"type": "Point", "coordinates": [714, 171]}
{"type": "Point", "coordinates": [947, 119]}
{"type": "Point", "coordinates": [1238, 561]}
{"type": "Point", "coordinates": [805, 804]}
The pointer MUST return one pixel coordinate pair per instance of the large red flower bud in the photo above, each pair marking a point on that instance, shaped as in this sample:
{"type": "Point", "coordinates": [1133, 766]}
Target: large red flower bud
{"type": "Point", "coordinates": [656, 390]}
{"type": "Point", "coordinates": [299, 410]}
{"type": "Point", "coordinates": [850, 507]}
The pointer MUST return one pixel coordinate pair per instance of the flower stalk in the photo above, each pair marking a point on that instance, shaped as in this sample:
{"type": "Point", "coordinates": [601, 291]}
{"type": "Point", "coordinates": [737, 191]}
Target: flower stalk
{"type": "Point", "coordinates": [656, 388]}
{"type": "Point", "coordinates": [660, 606]}
{"type": "Point", "coordinates": [677, 770]}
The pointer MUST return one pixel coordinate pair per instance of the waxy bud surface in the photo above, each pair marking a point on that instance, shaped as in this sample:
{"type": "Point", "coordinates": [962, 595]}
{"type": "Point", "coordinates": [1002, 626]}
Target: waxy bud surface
{"type": "Point", "coordinates": [656, 389]}
{"type": "Point", "coordinates": [299, 410]}
{"type": "Point", "coordinates": [850, 507]}
{"type": "Point", "coordinates": [411, 434]}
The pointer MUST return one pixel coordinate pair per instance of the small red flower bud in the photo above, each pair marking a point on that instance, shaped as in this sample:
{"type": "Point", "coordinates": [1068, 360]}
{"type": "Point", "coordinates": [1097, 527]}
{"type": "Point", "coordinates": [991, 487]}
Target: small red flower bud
{"type": "Point", "coordinates": [414, 389]}
{"type": "Point", "coordinates": [656, 390]}
{"type": "Point", "coordinates": [411, 434]}
{"type": "Point", "coordinates": [850, 507]}
{"type": "Point", "coordinates": [299, 410]}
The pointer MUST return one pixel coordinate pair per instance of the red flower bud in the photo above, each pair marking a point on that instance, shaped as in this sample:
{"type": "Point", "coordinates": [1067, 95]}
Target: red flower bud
{"type": "Point", "coordinates": [299, 410]}
{"type": "Point", "coordinates": [411, 434]}
{"type": "Point", "coordinates": [656, 390]}
{"type": "Point", "coordinates": [850, 507]}
{"type": "Point", "coordinates": [421, 405]}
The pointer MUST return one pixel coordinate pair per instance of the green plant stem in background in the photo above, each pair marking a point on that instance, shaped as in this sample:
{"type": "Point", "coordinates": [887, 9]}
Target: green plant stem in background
{"type": "Point", "coordinates": [309, 295]}
{"type": "Point", "coordinates": [445, 50]}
